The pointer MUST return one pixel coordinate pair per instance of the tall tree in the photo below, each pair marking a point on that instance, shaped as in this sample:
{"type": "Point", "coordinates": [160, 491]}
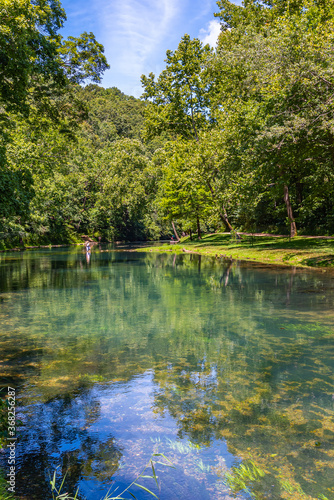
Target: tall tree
{"type": "Point", "coordinates": [282, 69]}
{"type": "Point", "coordinates": [181, 105]}
{"type": "Point", "coordinates": [184, 195]}
{"type": "Point", "coordinates": [37, 74]}
{"type": "Point", "coordinates": [28, 47]}
{"type": "Point", "coordinates": [180, 98]}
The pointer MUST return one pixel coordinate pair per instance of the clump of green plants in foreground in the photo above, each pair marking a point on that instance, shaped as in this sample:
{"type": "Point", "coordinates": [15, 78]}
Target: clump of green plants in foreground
{"type": "Point", "coordinates": [111, 495]}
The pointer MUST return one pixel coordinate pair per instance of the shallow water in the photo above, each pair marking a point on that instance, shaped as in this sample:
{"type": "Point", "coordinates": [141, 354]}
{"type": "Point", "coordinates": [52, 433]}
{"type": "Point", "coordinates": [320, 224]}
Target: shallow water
{"type": "Point", "coordinates": [210, 362]}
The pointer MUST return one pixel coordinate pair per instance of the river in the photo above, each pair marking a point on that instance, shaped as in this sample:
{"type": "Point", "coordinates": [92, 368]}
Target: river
{"type": "Point", "coordinates": [226, 368]}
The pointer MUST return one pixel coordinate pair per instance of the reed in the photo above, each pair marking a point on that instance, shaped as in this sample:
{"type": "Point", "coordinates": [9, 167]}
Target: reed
{"type": "Point", "coordinates": [57, 492]}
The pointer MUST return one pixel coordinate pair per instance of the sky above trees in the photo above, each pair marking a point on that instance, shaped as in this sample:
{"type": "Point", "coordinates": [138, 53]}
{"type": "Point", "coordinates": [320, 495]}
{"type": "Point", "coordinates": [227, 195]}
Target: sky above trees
{"type": "Point", "coordinates": [137, 33]}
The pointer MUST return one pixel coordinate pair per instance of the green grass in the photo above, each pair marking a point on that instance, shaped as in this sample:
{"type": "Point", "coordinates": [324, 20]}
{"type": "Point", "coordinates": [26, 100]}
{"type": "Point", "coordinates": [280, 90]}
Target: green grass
{"type": "Point", "coordinates": [299, 251]}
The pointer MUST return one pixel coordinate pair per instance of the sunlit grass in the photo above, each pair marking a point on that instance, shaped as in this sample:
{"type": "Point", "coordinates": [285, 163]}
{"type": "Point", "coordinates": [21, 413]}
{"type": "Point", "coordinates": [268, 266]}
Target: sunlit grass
{"type": "Point", "coordinates": [299, 251]}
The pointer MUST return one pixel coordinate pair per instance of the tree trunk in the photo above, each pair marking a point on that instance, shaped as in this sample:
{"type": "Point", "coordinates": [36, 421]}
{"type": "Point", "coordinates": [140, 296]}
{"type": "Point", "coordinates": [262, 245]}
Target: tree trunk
{"type": "Point", "coordinates": [225, 220]}
{"type": "Point", "coordinates": [198, 228]}
{"type": "Point", "coordinates": [193, 125]}
{"type": "Point", "coordinates": [175, 232]}
{"type": "Point", "coordinates": [222, 215]}
{"type": "Point", "coordinates": [293, 227]}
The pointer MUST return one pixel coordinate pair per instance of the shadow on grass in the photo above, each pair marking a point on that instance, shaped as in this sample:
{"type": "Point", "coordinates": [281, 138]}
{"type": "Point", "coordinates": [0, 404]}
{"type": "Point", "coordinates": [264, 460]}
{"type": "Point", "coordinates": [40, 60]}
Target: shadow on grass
{"type": "Point", "coordinates": [261, 242]}
{"type": "Point", "coordinates": [320, 261]}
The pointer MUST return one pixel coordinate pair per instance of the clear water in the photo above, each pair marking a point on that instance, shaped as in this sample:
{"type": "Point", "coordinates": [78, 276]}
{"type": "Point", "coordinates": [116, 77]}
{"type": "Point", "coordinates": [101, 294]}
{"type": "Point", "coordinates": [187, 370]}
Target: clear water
{"type": "Point", "coordinates": [211, 363]}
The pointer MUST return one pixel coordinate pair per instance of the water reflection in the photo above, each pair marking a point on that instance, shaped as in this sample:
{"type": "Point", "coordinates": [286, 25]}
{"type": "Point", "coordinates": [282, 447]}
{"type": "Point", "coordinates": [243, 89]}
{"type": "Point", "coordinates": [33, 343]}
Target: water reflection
{"type": "Point", "coordinates": [57, 435]}
{"type": "Point", "coordinates": [204, 360]}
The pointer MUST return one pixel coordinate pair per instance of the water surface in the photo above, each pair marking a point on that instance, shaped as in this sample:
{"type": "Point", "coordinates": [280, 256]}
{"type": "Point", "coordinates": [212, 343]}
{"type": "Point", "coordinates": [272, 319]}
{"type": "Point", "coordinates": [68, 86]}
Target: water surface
{"type": "Point", "coordinates": [213, 363]}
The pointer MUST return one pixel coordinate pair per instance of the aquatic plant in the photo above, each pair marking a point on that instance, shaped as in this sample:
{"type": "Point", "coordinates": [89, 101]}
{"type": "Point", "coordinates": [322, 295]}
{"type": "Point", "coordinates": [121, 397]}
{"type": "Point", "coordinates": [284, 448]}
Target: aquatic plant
{"type": "Point", "coordinates": [3, 422]}
{"type": "Point", "coordinates": [202, 467]}
{"type": "Point", "coordinates": [4, 493]}
{"type": "Point", "coordinates": [242, 476]}
{"type": "Point", "coordinates": [291, 488]}
{"type": "Point", "coordinates": [179, 446]}
{"type": "Point", "coordinates": [56, 492]}
{"type": "Point", "coordinates": [57, 495]}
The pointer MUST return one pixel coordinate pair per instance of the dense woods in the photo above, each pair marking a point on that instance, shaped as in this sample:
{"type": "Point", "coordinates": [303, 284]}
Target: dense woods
{"type": "Point", "coordinates": [236, 138]}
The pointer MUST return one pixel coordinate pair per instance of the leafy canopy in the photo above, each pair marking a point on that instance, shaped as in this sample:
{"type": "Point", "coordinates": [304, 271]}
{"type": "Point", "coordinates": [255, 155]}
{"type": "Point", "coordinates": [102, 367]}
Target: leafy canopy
{"type": "Point", "coordinates": [180, 97]}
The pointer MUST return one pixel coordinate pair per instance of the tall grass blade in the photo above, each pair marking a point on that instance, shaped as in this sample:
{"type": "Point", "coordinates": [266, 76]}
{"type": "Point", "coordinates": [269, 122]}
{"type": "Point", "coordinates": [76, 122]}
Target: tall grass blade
{"type": "Point", "coordinates": [154, 474]}
{"type": "Point", "coordinates": [146, 489]}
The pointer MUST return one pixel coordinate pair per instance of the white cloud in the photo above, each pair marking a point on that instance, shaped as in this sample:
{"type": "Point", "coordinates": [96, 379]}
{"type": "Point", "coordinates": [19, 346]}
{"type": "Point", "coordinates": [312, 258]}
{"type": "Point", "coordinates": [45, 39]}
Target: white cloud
{"type": "Point", "coordinates": [132, 32]}
{"type": "Point", "coordinates": [210, 35]}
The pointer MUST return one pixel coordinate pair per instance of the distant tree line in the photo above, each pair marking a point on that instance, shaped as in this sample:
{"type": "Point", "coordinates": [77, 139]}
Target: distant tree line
{"type": "Point", "coordinates": [236, 138]}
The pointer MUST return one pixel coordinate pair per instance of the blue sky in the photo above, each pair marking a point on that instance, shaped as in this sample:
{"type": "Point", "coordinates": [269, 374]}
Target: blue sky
{"type": "Point", "coordinates": [137, 33]}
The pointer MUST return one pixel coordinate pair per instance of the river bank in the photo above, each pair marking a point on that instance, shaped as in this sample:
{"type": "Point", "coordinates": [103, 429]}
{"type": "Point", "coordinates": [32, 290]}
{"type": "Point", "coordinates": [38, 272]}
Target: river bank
{"type": "Point", "coordinates": [301, 251]}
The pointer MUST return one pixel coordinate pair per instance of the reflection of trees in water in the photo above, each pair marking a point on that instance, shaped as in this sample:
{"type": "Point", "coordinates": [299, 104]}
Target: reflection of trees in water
{"type": "Point", "coordinates": [277, 412]}
{"type": "Point", "coordinates": [239, 353]}
{"type": "Point", "coordinates": [56, 434]}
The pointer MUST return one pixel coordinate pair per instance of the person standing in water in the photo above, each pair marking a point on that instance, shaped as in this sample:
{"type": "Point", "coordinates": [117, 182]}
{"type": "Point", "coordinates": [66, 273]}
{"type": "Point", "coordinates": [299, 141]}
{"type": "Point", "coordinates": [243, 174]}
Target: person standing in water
{"type": "Point", "coordinates": [87, 252]}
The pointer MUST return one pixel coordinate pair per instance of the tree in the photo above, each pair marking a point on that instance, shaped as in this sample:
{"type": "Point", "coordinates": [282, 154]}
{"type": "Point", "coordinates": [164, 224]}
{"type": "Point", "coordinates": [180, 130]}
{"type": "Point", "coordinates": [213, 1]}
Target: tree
{"type": "Point", "coordinates": [28, 47]}
{"type": "Point", "coordinates": [181, 105]}
{"type": "Point", "coordinates": [284, 73]}
{"type": "Point", "coordinates": [184, 196]}
{"type": "Point", "coordinates": [38, 73]}
{"type": "Point", "coordinates": [82, 58]}
{"type": "Point", "coordinates": [180, 98]}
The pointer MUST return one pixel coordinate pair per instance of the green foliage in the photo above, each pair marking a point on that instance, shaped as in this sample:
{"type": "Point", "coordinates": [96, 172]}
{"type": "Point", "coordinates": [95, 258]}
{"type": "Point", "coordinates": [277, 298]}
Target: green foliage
{"type": "Point", "coordinates": [42, 112]}
{"type": "Point", "coordinates": [32, 52]}
{"type": "Point", "coordinates": [180, 98]}
{"type": "Point", "coordinates": [243, 475]}
{"type": "Point", "coordinates": [57, 491]}
{"type": "Point", "coordinates": [61, 171]}
{"type": "Point", "coordinates": [184, 194]}
{"type": "Point", "coordinates": [83, 58]}
{"type": "Point", "coordinates": [111, 115]}
{"type": "Point", "coordinates": [28, 47]}
{"type": "Point", "coordinates": [95, 184]}
{"type": "Point", "coordinates": [240, 138]}
{"type": "Point", "coordinates": [284, 76]}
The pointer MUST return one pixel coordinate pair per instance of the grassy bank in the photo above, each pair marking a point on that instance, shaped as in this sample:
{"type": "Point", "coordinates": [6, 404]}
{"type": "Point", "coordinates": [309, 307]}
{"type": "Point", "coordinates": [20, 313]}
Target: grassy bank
{"type": "Point", "coordinates": [299, 251]}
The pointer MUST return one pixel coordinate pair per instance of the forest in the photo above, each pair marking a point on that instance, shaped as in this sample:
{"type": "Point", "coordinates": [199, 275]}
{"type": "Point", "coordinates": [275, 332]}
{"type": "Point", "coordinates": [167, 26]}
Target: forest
{"type": "Point", "coordinates": [240, 137]}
